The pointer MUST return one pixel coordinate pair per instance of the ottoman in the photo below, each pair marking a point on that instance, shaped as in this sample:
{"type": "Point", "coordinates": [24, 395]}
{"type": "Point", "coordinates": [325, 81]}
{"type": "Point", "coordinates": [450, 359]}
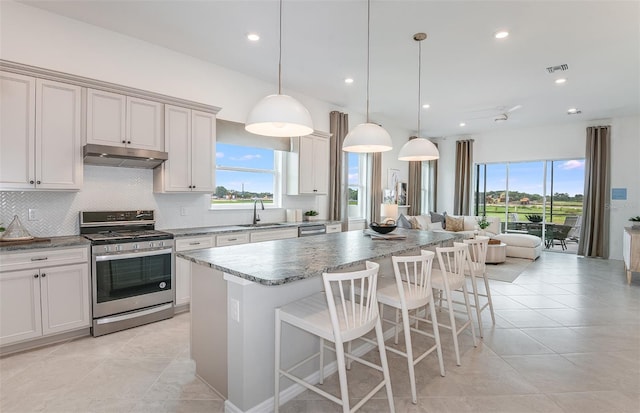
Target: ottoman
{"type": "Point", "coordinates": [521, 245]}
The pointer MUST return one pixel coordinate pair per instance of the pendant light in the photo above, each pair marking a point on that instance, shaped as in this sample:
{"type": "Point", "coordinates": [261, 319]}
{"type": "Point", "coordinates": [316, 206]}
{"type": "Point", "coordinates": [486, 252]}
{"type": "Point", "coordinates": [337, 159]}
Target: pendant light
{"type": "Point", "coordinates": [279, 115]}
{"type": "Point", "coordinates": [419, 149]}
{"type": "Point", "coordinates": [367, 137]}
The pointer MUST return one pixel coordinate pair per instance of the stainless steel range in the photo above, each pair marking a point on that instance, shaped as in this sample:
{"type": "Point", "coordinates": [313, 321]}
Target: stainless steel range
{"type": "Point", "coordinates": [132, 269]}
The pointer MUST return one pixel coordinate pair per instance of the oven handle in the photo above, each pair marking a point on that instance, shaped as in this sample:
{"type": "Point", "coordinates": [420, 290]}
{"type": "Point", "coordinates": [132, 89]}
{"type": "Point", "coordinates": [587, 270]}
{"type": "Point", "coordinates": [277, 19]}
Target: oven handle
{"type": "Point", "coordinates": [118, 256]}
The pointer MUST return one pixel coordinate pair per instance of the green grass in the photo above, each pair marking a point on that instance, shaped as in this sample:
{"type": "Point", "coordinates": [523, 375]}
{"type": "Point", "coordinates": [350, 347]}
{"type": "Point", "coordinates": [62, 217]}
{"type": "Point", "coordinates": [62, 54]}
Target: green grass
{"type": "Point", "coordinates": [561, 209]}
{"type": "Point", "coordinates": [238, 201]}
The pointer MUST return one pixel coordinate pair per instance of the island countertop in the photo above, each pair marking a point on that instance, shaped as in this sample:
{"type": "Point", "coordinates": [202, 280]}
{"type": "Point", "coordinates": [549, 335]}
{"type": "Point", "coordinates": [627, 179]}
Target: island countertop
{"type": "Point", "coordinates": [283, 261]}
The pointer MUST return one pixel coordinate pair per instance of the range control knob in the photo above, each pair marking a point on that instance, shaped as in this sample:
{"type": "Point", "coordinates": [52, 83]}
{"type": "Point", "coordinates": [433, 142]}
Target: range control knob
{"type": "Point", "coordinates": [135, 246]}
{"type": "Point", "coordinates": [107, 248]}
{"type": "Point", "coordinates": [118, 247]}
{"type": "Point", "coordinates": [161, 244]}
{"type": "Point", "coordinates": [151, 245]}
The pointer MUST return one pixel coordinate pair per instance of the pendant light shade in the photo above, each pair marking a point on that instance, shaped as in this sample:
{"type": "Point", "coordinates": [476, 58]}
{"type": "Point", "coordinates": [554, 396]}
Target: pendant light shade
{"type": "Point", "coordinates": [279, 115]}
{"type": "Point", "coordinates": [367, 137]}
{"type": "Point", "coordinates": [419, 149]}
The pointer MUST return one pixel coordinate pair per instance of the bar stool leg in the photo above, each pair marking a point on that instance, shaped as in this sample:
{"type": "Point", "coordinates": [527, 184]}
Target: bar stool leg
{"type": "Point", "coordinates": [342, 375]}
{"type": "Point", "coordinates": [384, 364]}
{"type": "Point", "coordinates": [321, 360]}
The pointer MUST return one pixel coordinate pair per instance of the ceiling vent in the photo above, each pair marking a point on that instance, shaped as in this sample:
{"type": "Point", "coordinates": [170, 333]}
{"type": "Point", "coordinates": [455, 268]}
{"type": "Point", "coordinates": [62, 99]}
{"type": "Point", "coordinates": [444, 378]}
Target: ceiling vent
{"type": "Point", "coordinates": [560, 68]}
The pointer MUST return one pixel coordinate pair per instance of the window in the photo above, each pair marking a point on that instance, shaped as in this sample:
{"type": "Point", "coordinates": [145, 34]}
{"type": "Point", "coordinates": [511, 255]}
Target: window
{"type": "Point", "coordinates": [244, 173]}
{"type": "Point", "coordinates": [357, 167]}
{"type": "Point", "coordinates": [428, 190]}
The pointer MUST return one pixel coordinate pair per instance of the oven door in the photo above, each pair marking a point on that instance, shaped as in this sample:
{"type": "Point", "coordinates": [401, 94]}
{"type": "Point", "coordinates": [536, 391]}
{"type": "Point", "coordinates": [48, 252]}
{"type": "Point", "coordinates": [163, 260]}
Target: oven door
{"type": "Point", "coordinates": [131, 280]}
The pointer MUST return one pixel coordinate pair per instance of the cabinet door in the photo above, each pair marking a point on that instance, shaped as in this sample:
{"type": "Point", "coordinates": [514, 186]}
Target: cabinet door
{"type": "Point", "coordinates": [17, 130]}
{"type": "Point", "coordinates": [65, 298]}
{"type": "Point", "coordinates": [269, 235]}
{"type": "Point", "coordinates": [19, 306]}
{"type": "Point", "coordinates": [176, 171]}
{"type": "Point", "coordinates": [203, 151]}
{"type": "Point", "coordinates": [306, 166]}
{"type": "Point", "coordinates": [106, 118]}
{"type": "Point", "coordinates": [183, 281]}
{"type": "Point", "coordinates": [321, 165]}
{"type": "Point", "coordinates": [58, 146]}
{"type": "Point", "coordinates": [144, 124]}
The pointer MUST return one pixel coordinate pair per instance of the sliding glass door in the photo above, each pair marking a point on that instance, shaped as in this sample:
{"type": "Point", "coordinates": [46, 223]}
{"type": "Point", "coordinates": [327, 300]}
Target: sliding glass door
{"type": "Point", "coordinates": [542, 198]}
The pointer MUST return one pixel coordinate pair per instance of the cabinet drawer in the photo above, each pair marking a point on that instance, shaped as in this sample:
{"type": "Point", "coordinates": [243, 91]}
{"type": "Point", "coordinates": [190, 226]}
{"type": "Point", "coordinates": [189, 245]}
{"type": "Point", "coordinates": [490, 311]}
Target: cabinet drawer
{"type": "Point", "coordinates": [43, 258]}
{"type": "Point", "coordinates": [331, 228]}
{"type": "Point", "coordinates": [232, 239]}
{"type": "Point", "coordinates": [274, 234]}
{"type": "Point", "coordinates": [195, 243]}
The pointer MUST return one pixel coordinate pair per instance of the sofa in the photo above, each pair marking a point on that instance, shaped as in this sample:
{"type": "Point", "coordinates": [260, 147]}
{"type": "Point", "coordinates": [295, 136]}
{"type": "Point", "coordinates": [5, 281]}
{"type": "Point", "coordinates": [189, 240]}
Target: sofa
{"type": "Point", "coordinates": [518, 245]}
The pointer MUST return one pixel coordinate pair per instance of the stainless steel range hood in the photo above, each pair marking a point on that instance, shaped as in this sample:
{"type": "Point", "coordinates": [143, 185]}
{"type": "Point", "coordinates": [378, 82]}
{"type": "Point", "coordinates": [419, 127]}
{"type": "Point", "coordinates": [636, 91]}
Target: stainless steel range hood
{"type": "Point", "coordinates": [102, 155]}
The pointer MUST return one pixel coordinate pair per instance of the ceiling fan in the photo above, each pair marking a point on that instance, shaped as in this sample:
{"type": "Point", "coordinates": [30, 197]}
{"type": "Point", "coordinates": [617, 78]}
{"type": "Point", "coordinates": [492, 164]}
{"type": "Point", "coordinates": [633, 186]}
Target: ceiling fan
{"type": "Point", "coordinates": [505, 115]}
{"type": "Point", "coordinates": [502, 113]}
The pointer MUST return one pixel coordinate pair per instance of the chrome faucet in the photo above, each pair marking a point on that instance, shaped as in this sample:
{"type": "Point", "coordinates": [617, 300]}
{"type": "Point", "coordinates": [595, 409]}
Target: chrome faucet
{"type": "Point", "coordinates": [256, 217]}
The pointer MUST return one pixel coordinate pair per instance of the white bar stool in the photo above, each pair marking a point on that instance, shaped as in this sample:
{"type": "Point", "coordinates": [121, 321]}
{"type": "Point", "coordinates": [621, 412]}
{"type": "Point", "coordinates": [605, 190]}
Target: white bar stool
{"type": "Point", "coordinates": [448, 278]}
{"type": "Point", "coordinates": [412, 291]}
{"type": "Point", "coordinates": [478, 269]}
{"type": "Point", "coordinates": [335, 315]}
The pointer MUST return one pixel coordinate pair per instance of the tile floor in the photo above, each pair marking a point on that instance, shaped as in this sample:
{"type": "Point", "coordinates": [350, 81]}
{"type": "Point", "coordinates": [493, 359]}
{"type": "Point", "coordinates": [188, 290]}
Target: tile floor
{"type": "Point", "coordinates": [566, 339]}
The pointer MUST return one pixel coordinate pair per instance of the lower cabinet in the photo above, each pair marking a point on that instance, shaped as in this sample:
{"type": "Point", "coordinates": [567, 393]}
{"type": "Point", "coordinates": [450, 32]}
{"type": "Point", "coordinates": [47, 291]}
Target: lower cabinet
{"type": "Point", "coordinates": [273, 234]}
{"type": "Point", "coordinates": [183, 267]}
{"type": "Point", "coordinates": [332, 228]}
{"type": "Point", "coordinates": [41, 301]}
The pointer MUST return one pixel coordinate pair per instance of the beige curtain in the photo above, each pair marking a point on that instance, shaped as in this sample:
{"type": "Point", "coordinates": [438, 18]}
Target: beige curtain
{"type": "Point", "coordinates": [594, 232]}
{"type": "Point", "coordinates": [414, 190]}
{"type": "Point", "coordinates": [338, 174]}
{"type": "Point", "coordinates": [375, 186]}
{"type": "Point", "coordinates": [464, 163]}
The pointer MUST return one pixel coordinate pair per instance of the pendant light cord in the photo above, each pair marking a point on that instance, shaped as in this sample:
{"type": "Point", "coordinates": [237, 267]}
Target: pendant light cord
{"type": "Point", "coordinates": [368, 51]}
{"type": "Point", "coordinates": [419, 84]}
{"type": "Point", "coordinates": [280, 53]}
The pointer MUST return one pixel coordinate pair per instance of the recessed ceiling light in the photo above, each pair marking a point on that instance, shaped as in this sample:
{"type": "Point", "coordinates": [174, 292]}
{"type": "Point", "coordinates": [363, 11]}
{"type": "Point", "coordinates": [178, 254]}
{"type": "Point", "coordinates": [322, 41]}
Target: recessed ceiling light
{"type": "Point", "coordinates": [463, 124]}
{"type": "Point", "coordinates": [426, 106]}
{"type": "Point", "coordinates": [573, 111]}
{"type": "Point", "coordinates": [501, 34]}
{"type": "Point", "coordinates": [254, 37]}
{"type": "Point", "coordinates": [348, 80]}
{"type": "Point", "coordinates": [560, 81]}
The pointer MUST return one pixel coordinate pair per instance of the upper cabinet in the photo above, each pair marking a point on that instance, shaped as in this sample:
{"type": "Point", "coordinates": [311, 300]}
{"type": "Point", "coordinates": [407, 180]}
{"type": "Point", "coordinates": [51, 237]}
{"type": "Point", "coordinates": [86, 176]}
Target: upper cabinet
{"type": "Point", "coordinates": [308, 165]}
{"type": "Point", "coordinates": [190, 140]}
{"type": "Point", "coordinates": [40, 134]}
{"type": "Point", "coordinates": [119, 120]}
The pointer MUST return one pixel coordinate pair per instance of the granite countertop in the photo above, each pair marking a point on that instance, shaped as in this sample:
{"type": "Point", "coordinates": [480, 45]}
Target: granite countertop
{"type": "Point", "coordinates": [283, 261]}
{"type": "Point", "coordinates": [54, 242]}
{"type": "Point", "coordinates": [188, 232]}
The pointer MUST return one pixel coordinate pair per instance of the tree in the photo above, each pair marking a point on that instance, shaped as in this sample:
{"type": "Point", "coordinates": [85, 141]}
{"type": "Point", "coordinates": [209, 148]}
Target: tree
{"type": "Point", "coordinates": [221, 191]}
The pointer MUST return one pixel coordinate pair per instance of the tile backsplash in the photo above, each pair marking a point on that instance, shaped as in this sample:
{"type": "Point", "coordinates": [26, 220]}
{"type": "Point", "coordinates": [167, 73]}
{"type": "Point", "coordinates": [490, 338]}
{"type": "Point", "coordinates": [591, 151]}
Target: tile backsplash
{"type": "Point", "coordinates": [107, 188]}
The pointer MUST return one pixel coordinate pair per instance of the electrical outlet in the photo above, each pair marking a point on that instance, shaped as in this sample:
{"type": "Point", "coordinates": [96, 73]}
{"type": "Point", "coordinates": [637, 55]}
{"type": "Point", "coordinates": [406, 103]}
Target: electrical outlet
{"type": "Point", "coordinates": [33, 214]}
{"type": "Point", "coordinates": [234, 312]}
{"type": "Point", "coordinates": [183, 211]}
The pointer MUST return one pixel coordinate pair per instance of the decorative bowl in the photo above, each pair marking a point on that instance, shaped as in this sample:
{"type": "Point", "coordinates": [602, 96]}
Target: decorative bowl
{"type": "Point", "coordinates": [383, 228]}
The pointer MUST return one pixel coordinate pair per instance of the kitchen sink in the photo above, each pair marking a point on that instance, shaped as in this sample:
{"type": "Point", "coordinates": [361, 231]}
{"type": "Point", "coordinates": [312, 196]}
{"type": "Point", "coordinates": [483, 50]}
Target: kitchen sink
{"type": "Point", "coordinates": [266, 224]}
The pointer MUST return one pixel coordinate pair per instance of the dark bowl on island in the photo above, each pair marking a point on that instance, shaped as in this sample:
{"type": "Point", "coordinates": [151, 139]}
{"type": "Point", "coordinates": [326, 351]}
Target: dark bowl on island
{"type": "Point", "coordinates": [383, 228]}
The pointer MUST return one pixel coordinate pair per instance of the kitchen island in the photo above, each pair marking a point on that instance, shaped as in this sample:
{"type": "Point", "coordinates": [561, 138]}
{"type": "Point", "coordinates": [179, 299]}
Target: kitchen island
{"type": "Point", "coordinates": [235, 290]}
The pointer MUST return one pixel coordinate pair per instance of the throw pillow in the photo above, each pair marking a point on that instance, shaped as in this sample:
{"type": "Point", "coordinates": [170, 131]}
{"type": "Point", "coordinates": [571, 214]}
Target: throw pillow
{"type": "Point", "coordinates": [414, 223]}
{"type": "Point", "coordinates": [403, 222]}
{"type": "Point", "coordinates": [435, 217]}
{"type": "Point", "coordinates": [454, 224]}
{"type": "Point", "coordinates": [423, 221]}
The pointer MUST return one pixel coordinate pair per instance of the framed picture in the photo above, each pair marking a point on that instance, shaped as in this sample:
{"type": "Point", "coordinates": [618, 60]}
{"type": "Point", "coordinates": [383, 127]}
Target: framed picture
{"type": "Point", "coordinates": [402, 193]}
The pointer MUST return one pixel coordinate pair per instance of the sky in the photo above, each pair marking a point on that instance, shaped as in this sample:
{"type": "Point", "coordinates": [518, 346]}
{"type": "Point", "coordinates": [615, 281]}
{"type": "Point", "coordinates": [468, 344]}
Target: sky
{"type": "Point", "coordinates": [244, 157]}
{"type": "Point", "coordinates": [568, 177]}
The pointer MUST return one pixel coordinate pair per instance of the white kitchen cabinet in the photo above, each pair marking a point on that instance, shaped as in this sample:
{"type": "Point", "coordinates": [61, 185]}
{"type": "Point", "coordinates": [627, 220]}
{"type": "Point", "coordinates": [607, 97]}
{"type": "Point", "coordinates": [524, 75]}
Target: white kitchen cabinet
{"type": "Point", "coordinates": [631, 251]}
{"type": "Point", "coordinates": [332, 228]}
{"type": "Point", "coordinates": [308, 165]}
{"type": "Point", "coordinates": [40, 134]}
{"type": "Point", "coordinates": [273, 234]}
{"type": "Point", "coordinates": [183, 267]}
{"type": "Point", "coordinates": [118, 120]}
{"type": "Point", "coordinates": [40, 297]}
{"type": "Point", "coordinates": [190, 140]}
{"type": "Point", "coordinates": [235, 238]}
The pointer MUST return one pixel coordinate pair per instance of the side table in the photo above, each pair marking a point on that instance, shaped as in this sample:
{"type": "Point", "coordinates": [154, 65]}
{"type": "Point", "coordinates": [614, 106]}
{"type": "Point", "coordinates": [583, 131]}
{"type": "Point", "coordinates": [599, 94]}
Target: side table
{"type": "Point", "coordinates": [496, 253]}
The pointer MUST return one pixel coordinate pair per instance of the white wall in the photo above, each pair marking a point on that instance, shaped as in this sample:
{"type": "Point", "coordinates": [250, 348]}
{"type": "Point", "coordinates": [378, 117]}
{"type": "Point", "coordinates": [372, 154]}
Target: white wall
{"type": "Point", "coordinates": [563, 141]}
{"type": "Point", "coordinates": [35, 37]}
